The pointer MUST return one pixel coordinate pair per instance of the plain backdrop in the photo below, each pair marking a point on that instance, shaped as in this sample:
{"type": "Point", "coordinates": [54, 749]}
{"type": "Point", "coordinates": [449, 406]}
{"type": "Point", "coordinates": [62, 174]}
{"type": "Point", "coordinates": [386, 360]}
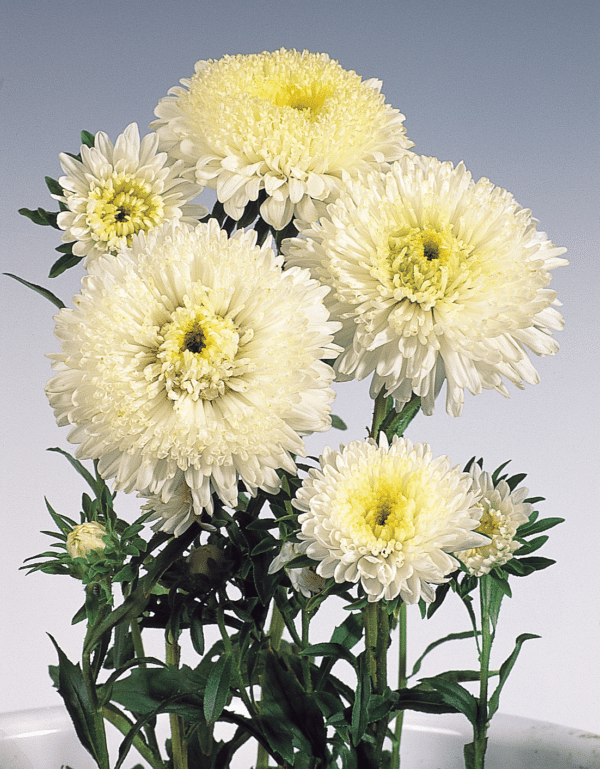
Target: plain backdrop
{"type": "Point", "coordinates": [510, 89]}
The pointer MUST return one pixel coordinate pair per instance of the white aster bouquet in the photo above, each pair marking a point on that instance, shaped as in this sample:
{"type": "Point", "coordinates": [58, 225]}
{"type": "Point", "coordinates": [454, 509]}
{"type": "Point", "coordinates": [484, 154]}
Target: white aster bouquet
{"type": "Point", "coordinates": [199, 353]}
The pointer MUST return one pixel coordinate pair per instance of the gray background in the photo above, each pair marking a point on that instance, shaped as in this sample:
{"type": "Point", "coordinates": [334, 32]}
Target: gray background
{"type": "Point", "coordinates": [507, 87]}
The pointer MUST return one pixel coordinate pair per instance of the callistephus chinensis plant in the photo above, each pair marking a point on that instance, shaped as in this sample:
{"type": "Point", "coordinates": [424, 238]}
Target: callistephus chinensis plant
{"type": "Point", "coordinates": [199, 354]}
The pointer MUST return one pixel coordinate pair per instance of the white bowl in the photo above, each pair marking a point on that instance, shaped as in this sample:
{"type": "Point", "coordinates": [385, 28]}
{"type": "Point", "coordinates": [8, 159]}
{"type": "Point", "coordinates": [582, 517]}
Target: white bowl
{"type": "Point", "coordinates": [45, 739]}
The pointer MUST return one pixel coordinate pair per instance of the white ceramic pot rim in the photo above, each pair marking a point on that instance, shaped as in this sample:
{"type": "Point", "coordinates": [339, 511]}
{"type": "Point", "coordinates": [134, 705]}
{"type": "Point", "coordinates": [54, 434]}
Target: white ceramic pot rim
{"type": "Point", "coordinates": [44, 738]}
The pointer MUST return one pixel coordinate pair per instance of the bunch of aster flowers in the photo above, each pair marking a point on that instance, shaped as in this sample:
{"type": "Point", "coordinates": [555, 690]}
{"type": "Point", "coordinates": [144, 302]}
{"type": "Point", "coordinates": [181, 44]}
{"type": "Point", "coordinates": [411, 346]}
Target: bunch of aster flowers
{"type": "Point", "coordinates": [199, 354]}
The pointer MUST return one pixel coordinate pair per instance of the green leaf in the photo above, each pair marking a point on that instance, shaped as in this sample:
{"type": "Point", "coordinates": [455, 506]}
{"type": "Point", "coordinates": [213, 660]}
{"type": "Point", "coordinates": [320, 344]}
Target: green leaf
{"type": "Point", "coordinates": [522, 567]}
{"type": "Point", "coordinates": [72, 688]}
{"type": "Point", "coordinates": [41, 216]}
{"type": "Point", "coordinates": [537, 526]}
{"type": "Point", "coordinates": [217, 688]}
{"type": "Point", "coordinates": [435, 644]}
{"type": "Point", "coordinates": [96, 485]}
{"type": "Point", "coordinates": [456, 696]}
{"type": "Point", "coordinates": [264, 546]}
{"type": "Point", "coordinates": [197, 632]}
{"type": "Point", "coordinates": [338, 423]}
{"type": "Point", "coordinates": [515, 480]}
{"type": "Point", "coordinates": [64, 263]}
{"type": "Point", "coordinates": [360, 707]}
{"type": "Point", "coordinates": [498, 470]}
{"type": "Point", "coordinates": [329, 650]}
{"type": "Point", "coordinates": [40, 290]}
{"type": "Point", "coordinates": [505, 669]}
{"type": "Point", "coordinates": [396, 423]}
{"type": "Point", "coordinates": [349, 633]}
{"type": "Point", "coordinates": [87, 138]}
{"type": "Point", "coordinates": [54, 186]}
{"type": "Point", "coordinates": [531, 546]}
{"type": "Point", "coordinates": [283, 694]}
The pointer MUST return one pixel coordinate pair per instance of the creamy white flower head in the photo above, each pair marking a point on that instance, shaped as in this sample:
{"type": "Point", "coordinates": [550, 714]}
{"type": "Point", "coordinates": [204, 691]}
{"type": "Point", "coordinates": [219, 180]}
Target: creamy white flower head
{"type": "Point", "coordinates": [304, 580]}
{"type": "Point", "coordinates": [434, 277]}
{"type": "Point", "coordinates": [503, 512]}
{"type": "Point", "coordinates": [118, 191]}
{"type": "Point", "coordinates": [285, 122]}
{"type": "Point", "coordinates": [177, 513]}
{"type": "Point", "coordinates": [193, 357]}
{"type": "Point", "coordinates": [388, 516]}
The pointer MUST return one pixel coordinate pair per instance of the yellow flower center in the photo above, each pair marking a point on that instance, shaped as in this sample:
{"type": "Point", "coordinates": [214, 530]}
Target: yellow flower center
{"type": "Point", "coordinates": [425, 262]}
{"type": "Point", "coordinates": [283, 93]}
{"type": "Point", "coordinates": [197, 355]}
{"type": "Point", "coordinates": [376, 508]}
{"type": "Point", "coordinates": [489, 523]}
{"type": "Point", "coordinates": [123, 206]}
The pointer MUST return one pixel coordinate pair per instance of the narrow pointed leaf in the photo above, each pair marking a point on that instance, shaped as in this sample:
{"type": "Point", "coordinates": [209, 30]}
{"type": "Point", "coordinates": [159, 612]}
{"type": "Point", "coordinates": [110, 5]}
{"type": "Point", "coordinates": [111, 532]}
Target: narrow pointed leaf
{"type": "Point", "coordinates": [217, 689]}
{"type": "Point", "coordinates": [40, 290]}
{"type": "Point", "coordinates": [456, 696]}
{"type": "Point", "coordinates": [71, 687]}
{"type": "Point", "coordinates": [360, 708]}
{"type": "Point", "coordinates": [64, 263]}
{"type": "Point", "coordinates": [505, 669]}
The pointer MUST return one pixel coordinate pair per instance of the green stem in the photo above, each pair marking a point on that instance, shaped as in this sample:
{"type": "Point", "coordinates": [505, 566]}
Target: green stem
{"type": "Point", "coordinates": [100, 747]}
{"type": "Point", "coordinates": [178, 743]}
{"type": "Point", "coordinates": [377, 631]}
{"type": "Point", "coordinates": [276, 629]}
{"type": "Point", "coordinates": [370, 624]}
{"type": "Point", "coordinates": [380, 410]}
{"type": "Point", "coordinates": [138, 647]}
{"type": "Point", "coordinates": [402, 682]}
{"type": "Point", "coordinates": [487, 639]}
{"type": "Point", "coordinates": [306, 617]}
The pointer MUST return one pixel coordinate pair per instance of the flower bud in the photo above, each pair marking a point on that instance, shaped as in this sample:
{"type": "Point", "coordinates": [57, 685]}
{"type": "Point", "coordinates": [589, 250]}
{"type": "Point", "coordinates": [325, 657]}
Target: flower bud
{"type": "Point", "coordinates": [199, 561]}
{"type": "Point", "coordinates": [85, 538]}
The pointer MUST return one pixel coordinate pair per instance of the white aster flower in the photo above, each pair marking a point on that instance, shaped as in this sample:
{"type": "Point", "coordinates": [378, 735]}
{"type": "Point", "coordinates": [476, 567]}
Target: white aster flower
{"type": "Point", "coordinates": [193, 357]}
{"type": "Point", "coordinates": [288, 123]}
{"type": "Point", "coordinates": [434, 277]}
{"type": "Point", "coordinates": [388, 516]}
{"type": "Point", "coordinates": [304, 580]}
{"type": "Point", "coordinates": [503, 512]}
{"type": "Point", "coordinates": [115, 192]}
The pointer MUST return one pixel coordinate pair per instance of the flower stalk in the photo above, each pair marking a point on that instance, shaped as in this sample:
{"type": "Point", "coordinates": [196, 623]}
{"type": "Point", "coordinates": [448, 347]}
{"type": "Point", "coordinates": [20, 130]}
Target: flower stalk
{"type": "Point", "coordinates": [178, 742]}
